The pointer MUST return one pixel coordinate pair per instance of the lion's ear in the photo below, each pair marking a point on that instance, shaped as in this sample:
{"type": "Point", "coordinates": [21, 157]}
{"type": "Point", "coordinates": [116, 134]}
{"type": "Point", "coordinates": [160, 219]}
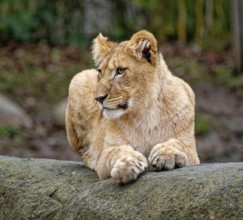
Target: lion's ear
{"type": "Point", "coordinates": [143, 46]}
{"type": "Point", "coordinates": [101, 46]}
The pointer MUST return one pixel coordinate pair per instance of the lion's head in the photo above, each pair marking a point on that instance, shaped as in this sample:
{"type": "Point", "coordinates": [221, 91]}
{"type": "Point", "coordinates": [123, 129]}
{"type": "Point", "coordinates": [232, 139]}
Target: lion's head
{"type": "Point", "coordinates": [125, 72]}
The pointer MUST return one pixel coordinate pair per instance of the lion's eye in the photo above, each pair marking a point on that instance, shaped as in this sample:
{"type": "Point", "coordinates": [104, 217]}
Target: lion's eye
{"type": "Point", "coordinates": [120, 70]}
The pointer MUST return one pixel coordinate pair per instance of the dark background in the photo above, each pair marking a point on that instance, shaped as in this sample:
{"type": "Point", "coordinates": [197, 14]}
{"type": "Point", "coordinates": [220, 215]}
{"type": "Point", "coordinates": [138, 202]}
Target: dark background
{"type": "Point", "coordinates": [43, 44]}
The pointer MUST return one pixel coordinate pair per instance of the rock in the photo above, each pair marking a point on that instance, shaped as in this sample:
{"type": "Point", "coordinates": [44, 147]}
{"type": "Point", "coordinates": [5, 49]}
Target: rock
{"type": "Point", "coordinates": [38, 189]}
{"type": "Point", "coordinates": [51, 189]}
{"type": "Point", "coordinates": [93, 9]}
{"type": "Point", "coordinates": [13, 115]}
{"type": "Point", "coordinates": [59, 113]}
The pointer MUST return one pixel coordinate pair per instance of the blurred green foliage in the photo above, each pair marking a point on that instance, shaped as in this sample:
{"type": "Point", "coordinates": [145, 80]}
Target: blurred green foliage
{"type": "Point", "coordinates": [57, 22]}
{"type": "Point", "coordinates": [203, 123]}
{"type": "Point", "coordinates": [164, 20]}
{"type": "Point", "coordinates": [9, 131]}
{"type": "Point", "coordinates": [222, 74]}
{"type": "Point", "coordinates": [60, 22]}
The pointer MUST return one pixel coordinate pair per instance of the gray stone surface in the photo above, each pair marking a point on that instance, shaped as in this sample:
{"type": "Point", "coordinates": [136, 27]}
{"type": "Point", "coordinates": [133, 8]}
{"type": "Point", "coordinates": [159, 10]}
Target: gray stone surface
{"type": "Point", "coordinates": [51, 189]}
{"type": "Point", "coordinates": [97, 17]}
{"type": "Point", "coordinates": [12, 115]}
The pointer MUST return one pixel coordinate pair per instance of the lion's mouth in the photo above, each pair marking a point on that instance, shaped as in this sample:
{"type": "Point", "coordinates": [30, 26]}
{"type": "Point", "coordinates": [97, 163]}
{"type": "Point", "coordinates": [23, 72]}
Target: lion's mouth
{"type": "Point", "coordinates": [122, 106]}
{"type": "Point", "coordinates": [114, 111]}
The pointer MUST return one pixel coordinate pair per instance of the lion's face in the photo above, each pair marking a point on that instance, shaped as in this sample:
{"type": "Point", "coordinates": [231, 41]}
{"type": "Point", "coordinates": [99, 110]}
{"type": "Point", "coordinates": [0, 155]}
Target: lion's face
{"type": "Point", "coordinates": [125, 71]}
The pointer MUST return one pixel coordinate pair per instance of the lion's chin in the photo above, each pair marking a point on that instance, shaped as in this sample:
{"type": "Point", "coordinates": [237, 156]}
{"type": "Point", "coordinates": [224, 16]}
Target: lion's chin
{"type": "Point", "coordinates": [113, 114]}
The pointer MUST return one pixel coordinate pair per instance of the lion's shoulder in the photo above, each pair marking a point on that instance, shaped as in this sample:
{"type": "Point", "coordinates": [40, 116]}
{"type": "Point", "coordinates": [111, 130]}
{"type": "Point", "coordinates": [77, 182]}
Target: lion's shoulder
{"type": "Point", "coordinates": [83, 80]}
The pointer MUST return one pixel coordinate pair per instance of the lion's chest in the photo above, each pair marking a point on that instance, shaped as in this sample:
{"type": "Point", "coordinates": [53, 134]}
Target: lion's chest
{"type": "Point", "coordinates": [143, 139]}
{"type": "Point", "coordinates": [142, 134]}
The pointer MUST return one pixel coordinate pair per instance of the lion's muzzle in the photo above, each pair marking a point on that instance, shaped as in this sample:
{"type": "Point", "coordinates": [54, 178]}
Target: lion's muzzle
{"type": "Point", "coordinates": [101, 99]}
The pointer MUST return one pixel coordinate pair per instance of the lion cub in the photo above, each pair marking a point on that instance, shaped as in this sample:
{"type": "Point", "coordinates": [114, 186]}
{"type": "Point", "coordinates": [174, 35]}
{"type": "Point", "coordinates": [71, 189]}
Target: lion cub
{"type": "Point", "coordinates": [130, 114]}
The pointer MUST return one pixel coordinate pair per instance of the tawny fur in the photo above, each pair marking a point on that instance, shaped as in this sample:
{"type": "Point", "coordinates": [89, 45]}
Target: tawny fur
{"type": "Point", "coordinates": [155, 129]}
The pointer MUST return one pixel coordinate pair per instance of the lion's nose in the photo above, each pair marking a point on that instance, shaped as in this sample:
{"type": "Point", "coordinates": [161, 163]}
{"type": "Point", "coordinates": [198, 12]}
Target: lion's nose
{"type": "Point", "coordinates": [101, 98]}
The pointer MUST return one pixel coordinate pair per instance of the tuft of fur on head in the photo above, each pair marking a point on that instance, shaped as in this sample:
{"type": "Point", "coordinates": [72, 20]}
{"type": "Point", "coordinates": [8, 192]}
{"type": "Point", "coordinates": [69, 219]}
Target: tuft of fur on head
{"type": "Point", "coordinates": [101, 46]}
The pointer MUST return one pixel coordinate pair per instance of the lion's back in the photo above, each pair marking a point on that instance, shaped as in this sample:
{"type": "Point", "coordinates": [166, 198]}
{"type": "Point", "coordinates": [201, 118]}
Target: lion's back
{"type": "Point", "coordinates": [81, 108]}
{"type": "Point", "coordinates": [183, 92]}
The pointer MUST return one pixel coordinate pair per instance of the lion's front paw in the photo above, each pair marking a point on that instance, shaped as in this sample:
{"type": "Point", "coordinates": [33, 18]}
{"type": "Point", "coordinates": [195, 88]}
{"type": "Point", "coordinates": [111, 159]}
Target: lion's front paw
{"type": "Point", "coordinates": [164, 157]}
{"type": "Point", "coordinates": [128, 169]}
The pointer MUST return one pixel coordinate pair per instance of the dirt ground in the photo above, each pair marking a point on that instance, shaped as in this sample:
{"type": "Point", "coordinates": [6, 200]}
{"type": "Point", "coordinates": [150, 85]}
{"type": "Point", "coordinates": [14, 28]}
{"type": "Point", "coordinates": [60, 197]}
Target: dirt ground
{"type": "Point", "coordinates": [224, 141]}
{"type": "Point", "coordinates": [219, 107]}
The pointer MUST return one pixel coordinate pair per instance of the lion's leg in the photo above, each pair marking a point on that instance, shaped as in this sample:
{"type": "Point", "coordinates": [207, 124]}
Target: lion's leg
{"type": "Point", "coordinates": [172, 154]}
{"type": "Point", "coordinates": [122, 163]}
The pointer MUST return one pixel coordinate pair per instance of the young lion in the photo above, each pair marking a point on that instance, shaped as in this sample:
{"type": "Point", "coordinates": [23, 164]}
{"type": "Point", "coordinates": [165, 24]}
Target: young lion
{"type": "Point", "coordinates": [130, 114]}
